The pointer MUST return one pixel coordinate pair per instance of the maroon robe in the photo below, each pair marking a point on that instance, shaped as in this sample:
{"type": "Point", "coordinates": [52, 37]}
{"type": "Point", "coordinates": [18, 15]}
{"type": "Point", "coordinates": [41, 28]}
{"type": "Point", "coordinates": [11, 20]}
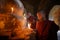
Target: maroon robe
{"type": "Point", "coordinates": [43, 29]}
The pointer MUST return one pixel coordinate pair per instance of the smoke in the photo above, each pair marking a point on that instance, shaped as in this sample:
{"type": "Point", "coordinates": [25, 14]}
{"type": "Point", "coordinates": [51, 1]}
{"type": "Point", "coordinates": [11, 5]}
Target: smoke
{"type": "Point", "coordinates": [20, 4]}
{"type": "Point", "coordinates": [20, 16]}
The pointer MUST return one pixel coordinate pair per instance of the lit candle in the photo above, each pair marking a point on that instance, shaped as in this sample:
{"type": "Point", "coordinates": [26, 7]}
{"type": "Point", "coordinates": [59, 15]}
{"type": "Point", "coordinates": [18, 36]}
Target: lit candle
{"type": "Point", "coordinates": [12, 9]}
{"type": "Point", "coordinates": [29, 24]}
{"type": "Point", "coordinates": [25, 16]}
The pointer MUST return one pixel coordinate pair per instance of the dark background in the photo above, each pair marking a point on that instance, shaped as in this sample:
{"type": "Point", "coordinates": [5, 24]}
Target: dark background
{"type": "Point", "coordinates": [34, 5]}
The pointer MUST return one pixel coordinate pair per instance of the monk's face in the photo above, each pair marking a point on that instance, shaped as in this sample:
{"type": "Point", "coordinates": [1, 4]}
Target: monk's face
{"type": "Point", "coordinates": [39, 15]}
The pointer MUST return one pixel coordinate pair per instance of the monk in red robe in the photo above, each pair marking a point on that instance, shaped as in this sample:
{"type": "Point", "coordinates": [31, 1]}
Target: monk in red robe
{"type": "Point", "coordinates": [46, 30]}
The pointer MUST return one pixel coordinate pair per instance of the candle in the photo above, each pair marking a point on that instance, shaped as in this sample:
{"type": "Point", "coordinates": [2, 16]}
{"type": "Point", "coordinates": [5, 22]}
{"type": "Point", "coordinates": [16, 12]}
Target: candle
{"type": "Point", "coordinates": [12, 9]}
{"type": "Point", "coordinates": [29, 24]}
{"type": "Point", "coordinates": [25, 16]}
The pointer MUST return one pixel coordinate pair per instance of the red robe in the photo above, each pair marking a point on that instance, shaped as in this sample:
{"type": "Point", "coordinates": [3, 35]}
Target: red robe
{"type": "Point", "coordinates": [44, 33]}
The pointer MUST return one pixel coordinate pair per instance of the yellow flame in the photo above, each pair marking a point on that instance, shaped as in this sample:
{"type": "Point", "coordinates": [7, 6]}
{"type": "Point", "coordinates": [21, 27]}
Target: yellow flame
{"type": "Point", "coordinates": [12, 9]}
{"type": "Point", "coordinates": [25, 16]}
{"type": "Point", "coordinates": [29, 24]}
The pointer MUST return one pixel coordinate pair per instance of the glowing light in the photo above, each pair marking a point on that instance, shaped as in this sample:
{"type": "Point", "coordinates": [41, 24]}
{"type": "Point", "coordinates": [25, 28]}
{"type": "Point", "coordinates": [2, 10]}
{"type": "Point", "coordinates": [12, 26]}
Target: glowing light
{"type": "Point", "coordinates": [29, 24]}
{"type": "Point", "coordinates": [25, 16]}
{"type": "Point", "coordinates": [12, 9]}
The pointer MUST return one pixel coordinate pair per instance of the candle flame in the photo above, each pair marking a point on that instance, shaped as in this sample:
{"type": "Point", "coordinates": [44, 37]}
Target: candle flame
{"type": "Point", "coordinates": [12, 9]}
{"type": "Point", "coordinates": [25, 16]}
{"type": "Point", "coordinates": [29, 25]}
